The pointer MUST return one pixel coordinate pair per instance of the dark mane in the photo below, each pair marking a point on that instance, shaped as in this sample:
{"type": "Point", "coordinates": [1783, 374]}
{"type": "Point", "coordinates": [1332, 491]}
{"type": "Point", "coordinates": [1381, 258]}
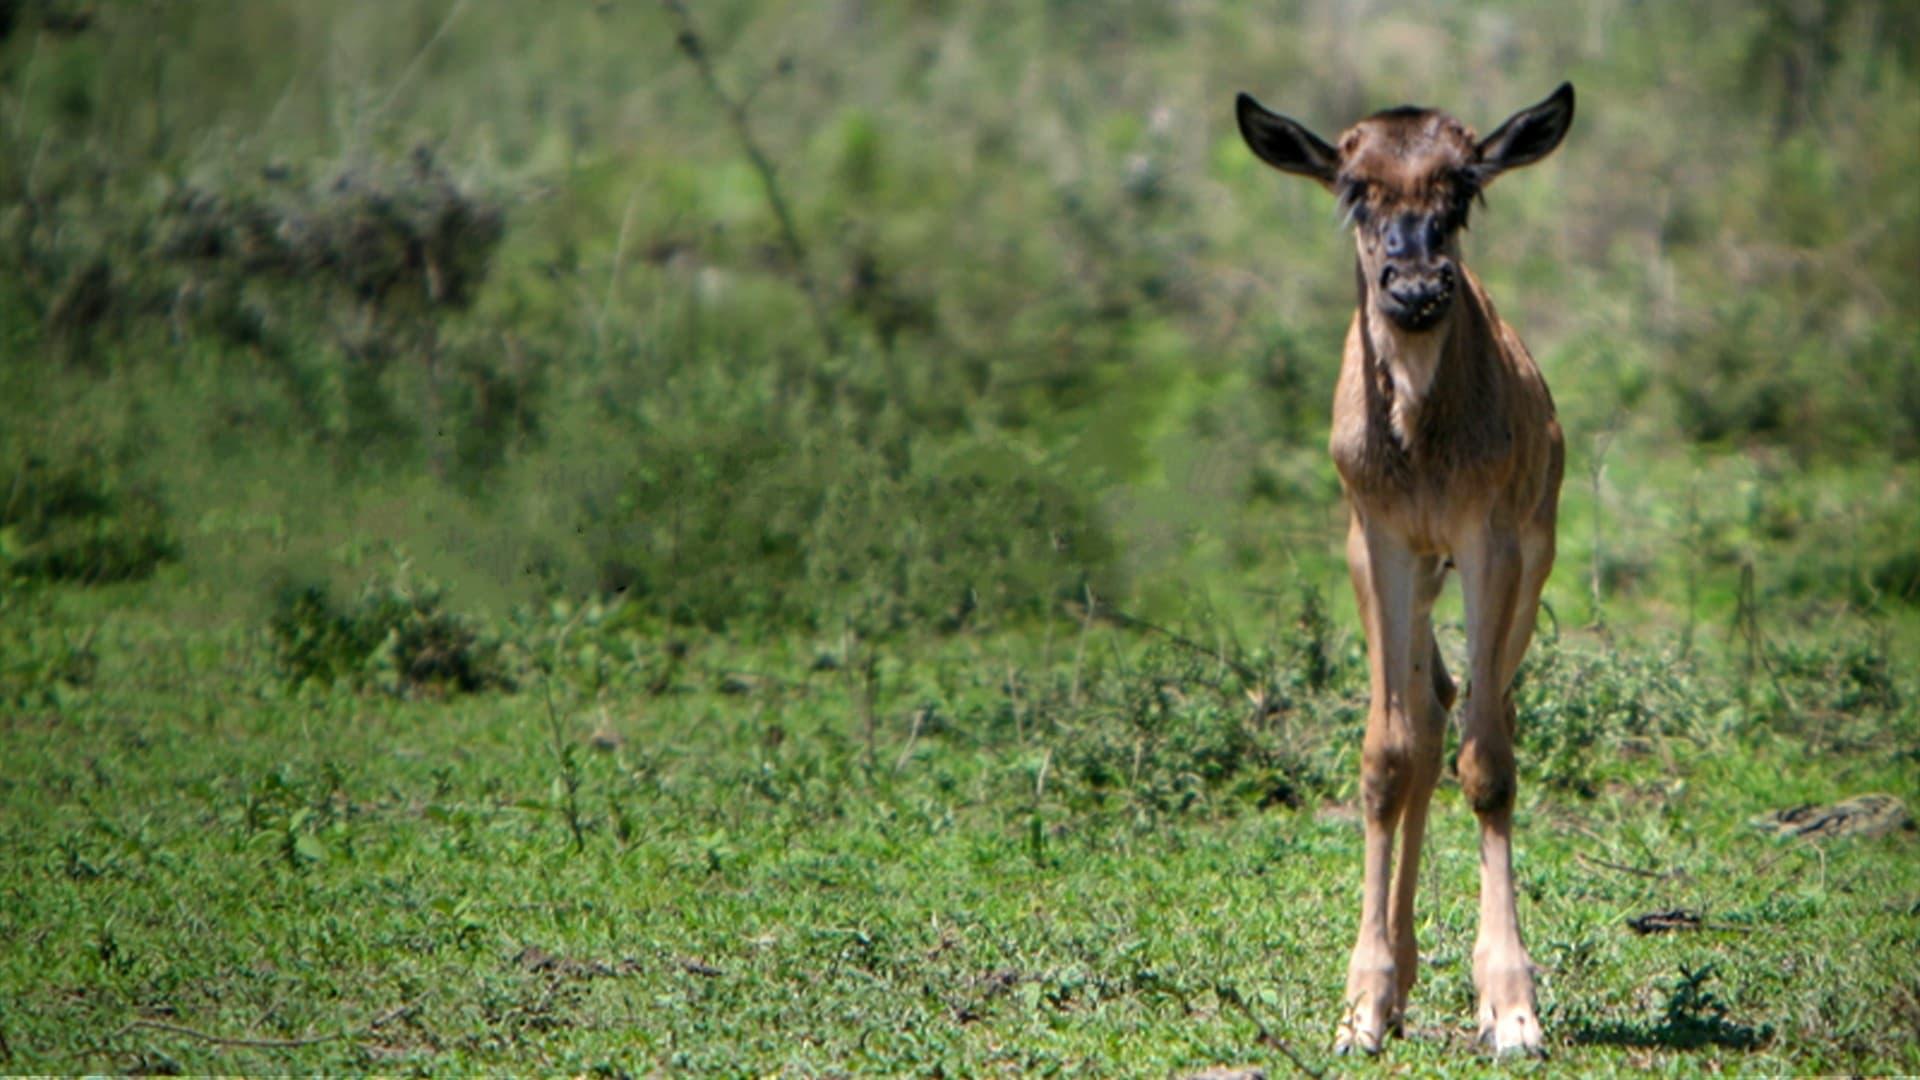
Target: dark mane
{"type": "Point", "coordinates": [1401, 112]}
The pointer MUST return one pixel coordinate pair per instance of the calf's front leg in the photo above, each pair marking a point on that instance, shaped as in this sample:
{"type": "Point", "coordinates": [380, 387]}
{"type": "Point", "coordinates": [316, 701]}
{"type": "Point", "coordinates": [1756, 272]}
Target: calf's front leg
{"type": "Point", "coordinates": [1495, 582]}
{"type": "Point", "coordinates": [1386, 584]}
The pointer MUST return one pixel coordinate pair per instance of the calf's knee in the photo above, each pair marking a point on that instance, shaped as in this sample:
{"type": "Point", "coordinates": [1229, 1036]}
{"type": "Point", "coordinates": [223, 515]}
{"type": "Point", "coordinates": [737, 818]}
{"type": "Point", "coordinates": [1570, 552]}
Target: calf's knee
{"type": "Point", "coordinates": [1385, 773]}
{"type": "Point", "coordinates": [1486, 775]}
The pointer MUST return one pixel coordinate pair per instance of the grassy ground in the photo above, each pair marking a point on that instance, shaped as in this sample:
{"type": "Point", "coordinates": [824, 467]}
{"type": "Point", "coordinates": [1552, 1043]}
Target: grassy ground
{"type": "Point", "coordinates": [487, 581]}
{"type": "Point", "coordinates": [1084, 854]}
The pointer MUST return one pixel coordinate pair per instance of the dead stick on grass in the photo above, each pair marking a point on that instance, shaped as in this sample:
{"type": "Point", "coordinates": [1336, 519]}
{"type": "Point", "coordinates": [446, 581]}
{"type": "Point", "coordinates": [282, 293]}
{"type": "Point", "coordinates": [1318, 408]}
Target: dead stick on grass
{"type": "Point", "coordinates": [1657, 875]}
{"type": "Point", "coordinates": [267, 1044]}
{"type": "Point", "coordinates": [690, 43]}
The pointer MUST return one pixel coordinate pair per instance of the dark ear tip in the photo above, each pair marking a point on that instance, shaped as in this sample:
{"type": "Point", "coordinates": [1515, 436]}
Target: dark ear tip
{"type": "Point", "coordinates": [1247, 113]}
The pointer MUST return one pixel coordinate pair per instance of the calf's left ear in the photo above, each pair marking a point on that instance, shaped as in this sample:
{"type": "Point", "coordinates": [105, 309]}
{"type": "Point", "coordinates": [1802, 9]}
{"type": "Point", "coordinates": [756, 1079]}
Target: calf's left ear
{"type": "Point", "coordinates": [1527, 136]}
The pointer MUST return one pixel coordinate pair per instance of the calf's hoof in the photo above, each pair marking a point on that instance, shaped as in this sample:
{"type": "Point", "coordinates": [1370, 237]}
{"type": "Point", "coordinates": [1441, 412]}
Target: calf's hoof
{"type": "Point", "coordinates": [1366, 1026]}
{"type": "Point", "coordinates": [1512, 1032]}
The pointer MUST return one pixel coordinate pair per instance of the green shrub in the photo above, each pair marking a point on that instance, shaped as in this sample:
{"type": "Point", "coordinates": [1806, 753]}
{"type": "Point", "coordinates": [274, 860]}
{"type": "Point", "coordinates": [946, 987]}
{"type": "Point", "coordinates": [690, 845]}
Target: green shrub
{"type": "Point", "coordinates": [1079, 328]}
{"type": "Point", "coordinates": [41, 666]}
{"type": "Point", "coordinates": [1178, 731]}
{"type": "Point", "coordinates": [78, 521]}
{"type": "Point", "coordinates": [379, 261]}
{"type": "Point", "coordinates": [1578, 709]}
{"type": "Point", "coordinates": [723, 524]}
{"type": "Point", "coordinates": [397, 637]}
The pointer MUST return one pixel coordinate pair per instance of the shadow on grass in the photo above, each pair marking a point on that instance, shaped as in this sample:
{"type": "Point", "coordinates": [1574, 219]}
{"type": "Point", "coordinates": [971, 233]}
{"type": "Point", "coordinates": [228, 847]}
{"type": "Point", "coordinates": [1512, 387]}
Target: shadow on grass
{"type": "Point", "coordinates": [1693, 1017]}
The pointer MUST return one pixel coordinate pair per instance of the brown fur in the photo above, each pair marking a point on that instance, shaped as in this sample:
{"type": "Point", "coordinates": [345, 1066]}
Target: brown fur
{"type": "Point", "coordinates": [1408, 158]}
{"type": "Point", "coordinates": [1486, 438]}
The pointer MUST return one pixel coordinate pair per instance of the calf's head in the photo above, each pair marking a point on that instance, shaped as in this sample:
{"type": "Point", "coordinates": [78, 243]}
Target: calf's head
{"type": "Point", "coordinates": [1405, 179]}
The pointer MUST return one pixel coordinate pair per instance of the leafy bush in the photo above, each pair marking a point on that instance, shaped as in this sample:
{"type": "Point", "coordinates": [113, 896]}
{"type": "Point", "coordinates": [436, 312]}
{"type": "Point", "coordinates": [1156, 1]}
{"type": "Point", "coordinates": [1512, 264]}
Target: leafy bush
{"type": "Point", "coordinates": [77, 521]}
{"type": "Point", "coordinates": [390, 235]}
{"type": "Point", "coordinates": [1023, 314]}
{"type": "Point", "coordinates": [345, 299]}
{"type": "Point", "coordinates": [397, 637]}
{"type": "Point", "coordinates": [378, 260]}
{"type": "Point", "coordinates": [717, 525]}
{"type": "Point", "coordinates": [1179, 731]}
{"type": "Point", "coordinates": [1579, 708]}
{"type": "Point", "coordinates": [40, 665]}
{"type": "Point", "coordinates": [1897, 576]}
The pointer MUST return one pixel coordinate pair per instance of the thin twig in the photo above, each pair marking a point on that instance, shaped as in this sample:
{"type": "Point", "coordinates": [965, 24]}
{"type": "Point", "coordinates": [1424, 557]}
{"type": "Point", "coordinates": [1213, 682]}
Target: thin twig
{"type": "Point", "coordinates": [1080, 649]}
{"type": "Point", "coordinates": [913, 736]}
{"type": "Point", "coordinates": [869, 712]}
{"type": "Point", "coordinates": [1657, 875]}
{"type": "Point", "coordinates": [1231, 995]}
{"type": "Point", "coordinates": [698, 967]}
{"type": "Point", "coordinates": [569, 772]}
{"type": "Point", "coordinates": [736, 111]}
{"type": "Point", "coordinates": [413, 65]}
{"type": "Point", "coordinates": [1595, 471]}
{"type": "Point", "coordinates": [266, 1044]}
{"type": "Point", "coordinates": [229, 1040]}
{"type": "Point", "coordinates": [562, 750]}
{"type": "Point", "coordinates": [613, 275]}
{"type": "Point", "coordinates": [1747, 622]}
{"type": "Point", "coordinates": [1109, 612]}
{"type": "Point", "coordinates": [1013, 697]}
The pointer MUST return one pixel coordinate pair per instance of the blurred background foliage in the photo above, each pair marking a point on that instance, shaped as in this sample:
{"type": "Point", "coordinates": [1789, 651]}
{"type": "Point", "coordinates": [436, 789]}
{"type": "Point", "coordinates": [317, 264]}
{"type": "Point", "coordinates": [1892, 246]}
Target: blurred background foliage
{"type": "Point", "coordinates": [284, 286]}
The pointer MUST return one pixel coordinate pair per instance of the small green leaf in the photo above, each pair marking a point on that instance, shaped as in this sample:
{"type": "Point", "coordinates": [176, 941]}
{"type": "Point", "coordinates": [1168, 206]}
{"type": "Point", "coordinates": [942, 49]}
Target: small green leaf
{"type": "Point", "coordinates": [309, 848]}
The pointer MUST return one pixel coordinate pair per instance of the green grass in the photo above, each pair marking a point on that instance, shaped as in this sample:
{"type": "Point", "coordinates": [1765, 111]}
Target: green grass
{"type": "Point", "coordinates": [1003, 854]}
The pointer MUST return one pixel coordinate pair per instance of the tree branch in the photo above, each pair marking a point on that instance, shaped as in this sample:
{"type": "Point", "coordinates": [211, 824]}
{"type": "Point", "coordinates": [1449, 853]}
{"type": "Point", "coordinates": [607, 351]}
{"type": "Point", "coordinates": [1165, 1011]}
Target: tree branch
{"type": "Point", "coordinates": [735, 109]}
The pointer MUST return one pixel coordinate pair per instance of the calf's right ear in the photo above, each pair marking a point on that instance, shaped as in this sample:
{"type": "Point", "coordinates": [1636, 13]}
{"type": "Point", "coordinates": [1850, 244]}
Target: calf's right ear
{"type": "Point", "coordinates": [1285, 144]}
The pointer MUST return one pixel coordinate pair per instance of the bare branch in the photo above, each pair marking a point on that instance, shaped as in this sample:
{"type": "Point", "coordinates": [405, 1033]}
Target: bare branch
{"type": "Point", "coordinates": [735, 109]}
{"type": "Point", "coordinates": [1102, 609]}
